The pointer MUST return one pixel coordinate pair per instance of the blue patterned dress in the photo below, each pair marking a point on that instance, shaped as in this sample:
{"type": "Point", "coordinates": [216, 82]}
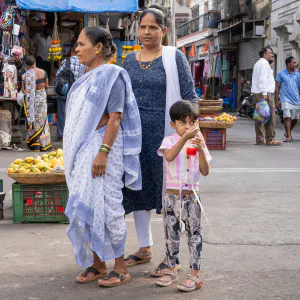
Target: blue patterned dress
{"type": "Point", "coordinates": [149, 87]}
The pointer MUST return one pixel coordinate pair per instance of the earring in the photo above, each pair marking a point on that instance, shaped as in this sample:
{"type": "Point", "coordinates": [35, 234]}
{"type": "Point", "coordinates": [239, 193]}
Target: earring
{"type": "Point", "coordinates": [97, 51]}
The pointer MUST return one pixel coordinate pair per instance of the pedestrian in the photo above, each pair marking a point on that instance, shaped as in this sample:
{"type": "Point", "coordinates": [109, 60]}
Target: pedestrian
{"type": "Point", "coordinates": [182, 202]}
{"type": "Point", "coordinates": [288, 88]}
{"type": "Point", "coordinates": [160, 76]}
{"type": "Point", "coordinates": [34, 84]}
{"type": "Point", "coordinates": [102, 142]}
{"type": "Point", "coordinates": [42, 43]}
{"type": "Point", "coordinates": [69, 71]}
{"type": "Point", "coordinates": [263, 87]}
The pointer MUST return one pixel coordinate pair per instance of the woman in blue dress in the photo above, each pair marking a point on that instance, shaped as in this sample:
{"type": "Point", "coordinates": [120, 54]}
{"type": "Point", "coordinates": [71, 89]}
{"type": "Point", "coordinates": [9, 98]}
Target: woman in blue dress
{"type": "Point", "coordinates": [147, 72]}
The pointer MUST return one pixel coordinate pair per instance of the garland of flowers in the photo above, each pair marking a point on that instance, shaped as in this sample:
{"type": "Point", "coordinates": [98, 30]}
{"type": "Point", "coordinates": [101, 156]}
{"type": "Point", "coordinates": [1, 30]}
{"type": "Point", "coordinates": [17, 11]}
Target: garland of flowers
{"type": "Point", "coordinates": [55, 51]}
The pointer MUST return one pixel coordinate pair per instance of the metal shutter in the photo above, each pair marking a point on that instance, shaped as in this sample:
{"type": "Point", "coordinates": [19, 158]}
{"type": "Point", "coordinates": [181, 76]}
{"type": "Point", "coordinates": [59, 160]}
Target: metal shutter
{"type": "Point", "coordinates": [248, 53]}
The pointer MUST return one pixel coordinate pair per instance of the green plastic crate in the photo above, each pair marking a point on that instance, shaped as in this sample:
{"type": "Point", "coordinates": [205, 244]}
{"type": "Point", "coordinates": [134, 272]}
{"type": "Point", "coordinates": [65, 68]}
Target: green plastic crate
{"type": "Point", "coordinates": [39, 203]}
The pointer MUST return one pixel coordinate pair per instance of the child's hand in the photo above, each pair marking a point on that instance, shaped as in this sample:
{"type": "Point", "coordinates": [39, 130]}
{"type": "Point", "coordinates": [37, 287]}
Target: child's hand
{"type": "Point", "coordinates": [190, 133]}
{"type": "Point", "coordinates": [199, 142]}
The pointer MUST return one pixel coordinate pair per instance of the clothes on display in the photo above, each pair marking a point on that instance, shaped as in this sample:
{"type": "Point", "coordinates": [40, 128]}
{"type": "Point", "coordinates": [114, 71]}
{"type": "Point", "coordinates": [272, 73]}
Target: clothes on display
{"type": "Point", "coordinates": [225, 69]}
{"type": "Point", "coordinates": [10, 80]}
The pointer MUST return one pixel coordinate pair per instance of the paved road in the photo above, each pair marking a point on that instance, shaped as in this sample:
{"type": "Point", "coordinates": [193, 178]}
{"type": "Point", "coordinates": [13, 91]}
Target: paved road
{"type": "Point", "coordinates": [251, 249]}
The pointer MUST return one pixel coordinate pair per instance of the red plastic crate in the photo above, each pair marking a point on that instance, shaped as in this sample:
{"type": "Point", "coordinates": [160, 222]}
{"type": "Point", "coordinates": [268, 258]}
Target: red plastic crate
{"type": "Point", "coordinates": [215, 139]}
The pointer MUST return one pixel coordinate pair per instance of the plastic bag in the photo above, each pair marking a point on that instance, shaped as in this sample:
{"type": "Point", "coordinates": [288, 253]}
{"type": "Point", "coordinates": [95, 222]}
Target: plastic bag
{"type": "Point", "coordinates": [20, 98]}
{"type": "Point", "coordinates": [262, 112]}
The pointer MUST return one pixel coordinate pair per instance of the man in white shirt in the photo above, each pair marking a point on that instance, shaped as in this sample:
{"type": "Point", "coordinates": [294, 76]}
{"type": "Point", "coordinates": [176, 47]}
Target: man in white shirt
{"type": "Point", "coordinates": [263, 87]}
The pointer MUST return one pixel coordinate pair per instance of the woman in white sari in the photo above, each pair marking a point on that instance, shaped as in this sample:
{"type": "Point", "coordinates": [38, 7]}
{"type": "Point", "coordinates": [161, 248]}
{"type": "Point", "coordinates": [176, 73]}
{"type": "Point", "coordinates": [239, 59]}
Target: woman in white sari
{"type": "Point", "coordinates": [102, 142]}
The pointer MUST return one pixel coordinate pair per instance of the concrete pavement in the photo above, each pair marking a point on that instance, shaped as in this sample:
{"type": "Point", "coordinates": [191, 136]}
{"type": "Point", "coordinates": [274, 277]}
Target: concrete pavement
{"type": "Point", "coordinates": [251, 250]}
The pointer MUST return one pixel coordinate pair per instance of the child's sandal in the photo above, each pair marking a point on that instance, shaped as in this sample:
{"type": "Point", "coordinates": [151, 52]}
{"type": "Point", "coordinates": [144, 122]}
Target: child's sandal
{"type": "Point", "coordinates": [185, 287]}
{"type": "Point", "coordinates": [162, 280]}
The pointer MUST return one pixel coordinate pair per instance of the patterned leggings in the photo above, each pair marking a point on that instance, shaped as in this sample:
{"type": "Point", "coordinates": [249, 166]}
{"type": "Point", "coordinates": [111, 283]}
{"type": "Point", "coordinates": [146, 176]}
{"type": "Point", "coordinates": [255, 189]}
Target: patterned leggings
{"type": "Point", "coordinates": [191, 216]}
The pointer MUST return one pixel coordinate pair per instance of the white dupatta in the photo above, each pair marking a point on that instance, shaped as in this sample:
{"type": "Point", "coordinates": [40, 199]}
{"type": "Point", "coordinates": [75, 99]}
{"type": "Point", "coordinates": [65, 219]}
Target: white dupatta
{"type": "Point", "coordinates": [173, 87]}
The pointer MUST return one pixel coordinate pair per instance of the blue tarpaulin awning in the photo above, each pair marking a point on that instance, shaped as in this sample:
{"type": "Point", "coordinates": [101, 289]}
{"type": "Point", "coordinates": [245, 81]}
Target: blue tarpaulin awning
{"type": "Point", "coordinates": [83, 6]}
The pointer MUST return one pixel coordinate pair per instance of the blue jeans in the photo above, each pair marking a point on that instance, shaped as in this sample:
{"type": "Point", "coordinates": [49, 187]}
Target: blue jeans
{"type": "Point", "coordinates": [61, 116]}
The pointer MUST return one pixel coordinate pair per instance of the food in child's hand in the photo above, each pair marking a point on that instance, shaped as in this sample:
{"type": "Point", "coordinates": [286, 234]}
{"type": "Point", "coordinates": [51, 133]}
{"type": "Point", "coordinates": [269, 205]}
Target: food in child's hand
{"type": "Point", "coordinates": [191, 151]}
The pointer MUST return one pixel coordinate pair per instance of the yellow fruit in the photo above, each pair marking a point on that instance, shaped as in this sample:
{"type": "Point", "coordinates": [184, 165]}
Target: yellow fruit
{"type": "Point", "coordinates": [37, 161]}
{"type": "Point", "coordinates": [15, 167]}
{"type": "Point", "coordinates": [25, 165]}
{"type": "Point", "coordinates": [39, 166]}
{"type": "Point", "coordinates": [234, 118]}
{"type": "Point", "coordinates": [53, 162]}
{"type": "Point", "coordinates": [59, 153]}
{"type": "Point", "coordinates": [18, 161]}
{"type": "Point", "coordinates": [46, 159]}
{"type": "Point", "coordinates": [36, 171]}
{"type": "Point", "coordinates": [44, 156]}
{"type": "Point", "coordinates": [46, 168]}
{"type": "Point", "coordinates": [22, 171]}
{"type": "Point", "coordinates": [29, 159]}
{"type": "Point", "coordinates": [10, 170]}
{"type": "Point", "coordinates": [52, 153]}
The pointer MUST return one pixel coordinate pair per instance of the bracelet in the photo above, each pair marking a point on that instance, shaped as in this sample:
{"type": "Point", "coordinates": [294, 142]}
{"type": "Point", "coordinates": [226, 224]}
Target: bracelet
{"type": "Point", "coordinates": [104, 150]}
{"type": "Point", "coordinates": [106, 147]}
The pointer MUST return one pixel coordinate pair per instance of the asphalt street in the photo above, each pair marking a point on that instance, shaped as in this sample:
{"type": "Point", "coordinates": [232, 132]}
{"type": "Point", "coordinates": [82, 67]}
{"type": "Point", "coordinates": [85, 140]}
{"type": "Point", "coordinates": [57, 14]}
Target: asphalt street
{"type": "Point", "coordinates": [251, 248]}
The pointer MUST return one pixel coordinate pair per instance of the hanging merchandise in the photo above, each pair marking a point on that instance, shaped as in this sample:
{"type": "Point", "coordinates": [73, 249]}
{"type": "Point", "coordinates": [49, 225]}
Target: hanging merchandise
{"type": "Point", "coordinates": [7, 18]}
{"type": "Point", "coordinates": [192, 52]}
{"type": "Point", "coordinates": [55, 49]}
{"type": "Point", "coordinates": [10, 80]}
{"type": "Point", "coordinates": [107, 24]}
{"type": "Point", "coordinates": [183, 50]}
{"type": "Point", "coordinates": [120, 24]}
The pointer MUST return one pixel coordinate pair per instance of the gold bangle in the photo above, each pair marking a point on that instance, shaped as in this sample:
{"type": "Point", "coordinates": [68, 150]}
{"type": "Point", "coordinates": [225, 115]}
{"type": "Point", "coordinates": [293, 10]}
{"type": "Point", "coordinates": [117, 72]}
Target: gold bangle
{"type": "Point", "coordinates": [104, 150]}
{"type": "Point", "coordinates": [105, 147]}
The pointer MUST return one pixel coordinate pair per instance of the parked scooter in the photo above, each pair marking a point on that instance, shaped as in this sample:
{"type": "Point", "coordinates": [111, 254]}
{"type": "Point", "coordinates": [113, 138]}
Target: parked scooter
{"type": "Point", "coordinates": [246, 104]}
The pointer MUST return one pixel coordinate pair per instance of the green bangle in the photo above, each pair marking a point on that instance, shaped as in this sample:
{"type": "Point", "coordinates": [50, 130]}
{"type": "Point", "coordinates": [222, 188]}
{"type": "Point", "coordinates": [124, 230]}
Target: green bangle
{"type": "Point", "coordinates": [104, 150]}
{"type": "Point", "coordinates": [104, 146]}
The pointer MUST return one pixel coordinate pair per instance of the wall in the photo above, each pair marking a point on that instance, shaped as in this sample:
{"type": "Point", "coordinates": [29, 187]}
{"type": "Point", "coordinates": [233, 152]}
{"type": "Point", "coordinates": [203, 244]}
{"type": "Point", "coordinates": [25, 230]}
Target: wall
{"type": "Point", "coordinates": [285, 30]}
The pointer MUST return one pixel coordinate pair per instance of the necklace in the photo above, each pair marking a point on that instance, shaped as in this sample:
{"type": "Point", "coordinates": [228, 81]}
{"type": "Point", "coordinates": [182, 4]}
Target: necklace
{"type": "Point", "coordinates": [148, 65]}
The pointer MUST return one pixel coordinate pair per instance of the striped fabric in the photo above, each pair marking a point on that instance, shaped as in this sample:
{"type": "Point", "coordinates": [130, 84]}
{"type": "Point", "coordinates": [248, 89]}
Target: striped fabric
{"type": "Point", "coordinates": [184, 169]}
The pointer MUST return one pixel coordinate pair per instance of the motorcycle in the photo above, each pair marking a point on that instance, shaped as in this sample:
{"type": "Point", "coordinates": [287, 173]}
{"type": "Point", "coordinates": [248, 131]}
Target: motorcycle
{"type": "Point", "coordinates": [246, 104]}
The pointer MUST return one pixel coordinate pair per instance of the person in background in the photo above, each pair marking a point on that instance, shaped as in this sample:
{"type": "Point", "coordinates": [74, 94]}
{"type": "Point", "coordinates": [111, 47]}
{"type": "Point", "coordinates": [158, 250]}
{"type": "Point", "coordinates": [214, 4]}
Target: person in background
{"type": "Point", "coordinates": [263, 87]}
{"type": "Point", "coordinates": [42, 42]}
{"type": "Point", "coordinates": [34, 83]}
{"type": "Point", "coordinates": [77, 70]}
{"type": "Point", "coordinates": [288, 87]}
{"type": "Point", "coordinates": [181, 201]}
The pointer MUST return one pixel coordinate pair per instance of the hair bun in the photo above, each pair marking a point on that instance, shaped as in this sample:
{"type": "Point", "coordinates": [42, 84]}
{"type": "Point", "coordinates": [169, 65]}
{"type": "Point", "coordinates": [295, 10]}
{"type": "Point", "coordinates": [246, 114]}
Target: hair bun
{"type": "Point", "coordinates": [156, 6]}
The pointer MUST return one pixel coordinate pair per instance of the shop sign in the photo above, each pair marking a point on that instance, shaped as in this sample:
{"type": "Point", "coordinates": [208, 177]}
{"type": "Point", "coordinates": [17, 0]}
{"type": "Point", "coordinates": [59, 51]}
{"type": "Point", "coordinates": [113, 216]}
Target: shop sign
{"type": "Point", "coordinates": [214, 45]}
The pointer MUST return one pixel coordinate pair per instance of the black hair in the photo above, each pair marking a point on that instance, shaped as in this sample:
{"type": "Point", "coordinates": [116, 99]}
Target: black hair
{"type": "Point", "coordinates": [73, 47]}
{"type": "Point", "coordinates": [29, 61]}
{"type": "Point", "coordinates": [264, 50]}
{"type": "Point", "coordinates": [157, 13]}
{"type": "Point", "coordinates": [182, 109]}
{"type": "Point", "coordinates": [96, 35]}
{"type": "Point", "coordinates": [288, 60]}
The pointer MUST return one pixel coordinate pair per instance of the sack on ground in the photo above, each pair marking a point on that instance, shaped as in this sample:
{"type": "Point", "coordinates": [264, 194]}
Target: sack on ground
{"type": "Point", "coordinates": [262, 112]}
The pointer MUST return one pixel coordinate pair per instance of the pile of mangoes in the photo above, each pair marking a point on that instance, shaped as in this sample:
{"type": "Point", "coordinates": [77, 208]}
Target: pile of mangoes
{"type": "Point", "coordinates": [225, 118]}
{"type": "Point", "coordinates": [39, 164]}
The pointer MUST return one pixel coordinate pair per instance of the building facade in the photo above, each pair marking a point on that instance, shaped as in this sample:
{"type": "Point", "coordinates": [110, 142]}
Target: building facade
{"type": "Point", "coordinates": [285, 30]}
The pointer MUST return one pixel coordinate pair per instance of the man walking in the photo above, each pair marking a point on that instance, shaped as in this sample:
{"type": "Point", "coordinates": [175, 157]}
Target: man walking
{"type": "Point", "coordinates": [263, 87]}
{"type": "Point", "coordinates": [288, 87]}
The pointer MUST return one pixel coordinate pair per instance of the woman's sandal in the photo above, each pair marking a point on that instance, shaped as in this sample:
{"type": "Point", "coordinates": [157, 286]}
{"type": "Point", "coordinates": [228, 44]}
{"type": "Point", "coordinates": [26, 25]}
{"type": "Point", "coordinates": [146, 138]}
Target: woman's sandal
{"type": "Point", "coordinates": [185, 287]}
{"type": "Point", "coordinates": [139, 260]}
{"type": "Point", "coordinates": [164, 283]}
{"type": "Point", "coordinates": [97, 275]}
{"type": "Point", "coordinates": [158, 271]}
{"type": "Point", "coordinates": [123, 279]}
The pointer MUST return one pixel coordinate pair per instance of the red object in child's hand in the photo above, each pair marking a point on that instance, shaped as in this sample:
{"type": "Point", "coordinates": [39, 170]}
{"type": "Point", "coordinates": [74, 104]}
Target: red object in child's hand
{"type": "Point", "coordinates": [191, 151]}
